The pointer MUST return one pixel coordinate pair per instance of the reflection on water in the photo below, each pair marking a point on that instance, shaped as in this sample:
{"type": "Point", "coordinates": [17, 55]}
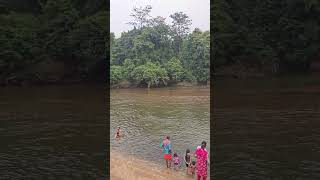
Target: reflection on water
{"type": "Point", "coordinates": [52, 132]}
{"type": "Point", "coordinates": [267, 129]}
{"type": "Point", "coordinates": [146, 116]}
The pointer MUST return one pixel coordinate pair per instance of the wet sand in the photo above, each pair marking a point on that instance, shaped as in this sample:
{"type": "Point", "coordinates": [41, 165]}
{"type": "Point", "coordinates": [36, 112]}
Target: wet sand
{"type": "Point", "coordinates": [124, 167]}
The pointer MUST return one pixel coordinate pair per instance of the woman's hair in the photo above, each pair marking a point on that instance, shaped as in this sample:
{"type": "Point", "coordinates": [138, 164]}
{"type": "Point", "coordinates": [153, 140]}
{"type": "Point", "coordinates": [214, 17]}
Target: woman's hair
{"type": "Point", "coordinates": [168, 137]}
{"type": "Point", "coordinates": [187, 151]}
{"type": "Point", "coordinates": [193, 163]}
{"type": "Point", "coordinates": [203, 144]}
{"type": "Point", "coordinates": [175, 155]}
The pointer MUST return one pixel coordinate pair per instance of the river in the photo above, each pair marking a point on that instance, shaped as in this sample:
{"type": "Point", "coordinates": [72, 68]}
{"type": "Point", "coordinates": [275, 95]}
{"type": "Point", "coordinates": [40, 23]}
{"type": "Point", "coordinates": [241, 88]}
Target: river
{"type": "Point", "coordinates": [267, 129]}
{"type": "Point", "coordinates": [146, 116]}
{"type": "Point", "coordinates": [53, 132]}
{"type": "Point", "coordinates": [263, 129]}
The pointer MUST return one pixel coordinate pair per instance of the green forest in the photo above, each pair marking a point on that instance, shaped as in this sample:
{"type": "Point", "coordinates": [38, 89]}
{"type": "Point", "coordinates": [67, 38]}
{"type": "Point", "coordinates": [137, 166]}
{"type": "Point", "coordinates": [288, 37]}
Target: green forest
{"type": "Point", "coordinates": [267, 36]}
{"type": "Point", "coordinates": [57, 40]}
{"type": "Point", "coordinates": [52, 40]}
{"type": "Point", "coordinates": [155, 53]}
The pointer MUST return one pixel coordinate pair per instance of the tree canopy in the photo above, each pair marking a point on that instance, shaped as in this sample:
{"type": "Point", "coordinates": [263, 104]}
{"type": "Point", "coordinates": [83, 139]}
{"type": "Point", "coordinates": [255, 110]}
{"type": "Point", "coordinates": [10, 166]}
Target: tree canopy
{"type": "Point", "coordinates": [273, 36]}
{"type": "Point", "coordinates": [71, 32]}
{"type": "Point", "coordinates": [155, 53]}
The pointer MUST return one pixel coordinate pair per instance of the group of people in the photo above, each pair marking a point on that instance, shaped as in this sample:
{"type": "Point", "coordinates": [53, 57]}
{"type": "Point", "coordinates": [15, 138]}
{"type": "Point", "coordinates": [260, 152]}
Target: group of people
{"type": "Point", "coordinates": [201, 155]}
{"type": "Point", "coordinates": [198, 165]}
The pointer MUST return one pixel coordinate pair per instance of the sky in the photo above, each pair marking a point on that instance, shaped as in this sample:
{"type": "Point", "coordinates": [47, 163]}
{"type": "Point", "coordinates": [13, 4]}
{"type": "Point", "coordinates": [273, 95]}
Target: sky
{"type": "Point", "coordinates": [197, 10]}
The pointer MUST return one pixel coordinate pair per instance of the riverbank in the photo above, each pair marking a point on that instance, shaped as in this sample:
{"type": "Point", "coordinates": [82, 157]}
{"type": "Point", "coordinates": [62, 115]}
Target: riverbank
{"type": "Point", "coordinates": [123, 167]}
{"type": "Point", "coordinates": [128, 85]}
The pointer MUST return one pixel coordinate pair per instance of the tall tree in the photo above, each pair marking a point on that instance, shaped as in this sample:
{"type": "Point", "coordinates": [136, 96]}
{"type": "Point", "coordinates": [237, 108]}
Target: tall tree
{"type": "Point", "coordinates": [141, 16]}
{"type": "Point", "coordinates": [180, 28]}
{"type": "Point", "coordinates": [196, 54]}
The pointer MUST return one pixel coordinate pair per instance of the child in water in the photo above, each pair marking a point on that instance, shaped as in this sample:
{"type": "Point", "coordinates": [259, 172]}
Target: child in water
{"type": "Point", "coordinates": [176, 161]}
{"type": "Point", "coordinates": [193, 167]}
{"type": "Point", "coordinates": [117, 133]}
{"type": "Point", "coordinates": [187, 160]}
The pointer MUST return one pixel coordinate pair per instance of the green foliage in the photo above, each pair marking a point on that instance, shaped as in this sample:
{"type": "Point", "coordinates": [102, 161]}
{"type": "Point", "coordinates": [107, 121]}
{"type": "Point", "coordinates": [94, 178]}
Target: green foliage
{"type": "Point", "coordinates": [71, 31]}
{"type": "Point", "coordinates": [174, 69]}
{"type": "Point", "coordinates": [196, 54]}
{"type": "Point", "coordinates": [151, 55]}
{"type": "Point", "coordinates": [266, 34]}
{"type": "Point", "coordinates": [19, 45]}
{"type": "Point", "coordinates": [116, 74]}
{"type": "Point", "coordinates": [58, 19]}
{"type": "Point", "coordinates": [181, 23]}
{"type": "Point", "coordinates": [150, 73]}
{"type": "Point", "coordinates": [87, 38]}
{"type": "Point", "coordinates": [128, 67]}
{"type": "Point", "coordinates": [180, 28]}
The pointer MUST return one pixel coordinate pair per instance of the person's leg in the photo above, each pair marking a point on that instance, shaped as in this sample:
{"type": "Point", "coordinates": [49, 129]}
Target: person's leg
{"type": "Point", "coordinates": [167, 163]}
{"type": "Point", "coordinates": [199, 177]}
{"type": "Point", "coordinates": [204, 177]}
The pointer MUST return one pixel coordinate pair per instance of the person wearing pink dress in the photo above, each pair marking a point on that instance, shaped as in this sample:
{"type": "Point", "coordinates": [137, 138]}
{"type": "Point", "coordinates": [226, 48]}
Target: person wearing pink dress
{"type": "Point", "coordinates": [202, 157]}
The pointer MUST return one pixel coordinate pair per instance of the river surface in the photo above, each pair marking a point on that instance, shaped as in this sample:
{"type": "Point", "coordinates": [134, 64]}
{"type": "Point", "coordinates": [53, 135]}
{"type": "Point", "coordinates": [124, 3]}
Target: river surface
{"type": "Point", "coordinates": [266, 129]}
{"type": "Point", "coordinates": [53, 132]}
{"type": "Point", "coordinates": [146, 116]}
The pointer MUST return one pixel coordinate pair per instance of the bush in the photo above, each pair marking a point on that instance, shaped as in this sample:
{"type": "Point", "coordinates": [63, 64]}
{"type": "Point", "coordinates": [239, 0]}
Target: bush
{"type": "Point", "coordinates": [151, 74]}
{"type": "Point", "coordinates": [174, 69]}
{"type": "Point", "coordinates": [116, 74]}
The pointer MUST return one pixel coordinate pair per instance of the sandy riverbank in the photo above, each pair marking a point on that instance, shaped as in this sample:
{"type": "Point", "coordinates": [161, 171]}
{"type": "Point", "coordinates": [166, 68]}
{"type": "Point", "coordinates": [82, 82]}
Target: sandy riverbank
{"type": "Point", "coordinates": [124, 167]}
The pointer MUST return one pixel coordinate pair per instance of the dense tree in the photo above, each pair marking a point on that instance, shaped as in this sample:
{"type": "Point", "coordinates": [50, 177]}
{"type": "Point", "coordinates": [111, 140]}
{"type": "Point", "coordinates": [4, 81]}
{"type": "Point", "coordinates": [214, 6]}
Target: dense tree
{"type": "Point", "coordinates": [196, 54]}
{"type": "Point", "coordinates": [150, 73]}
{"type": "Point", "coordinates": [19, 44]}
{"type": "Point", "coordinates": [148, 55]}
{"type": "Point", "coordinates": [58, 19]}
{"type": "Point", "coordinates": [71, 32]}
{"type": "Point", "coordinates": [174, 69]}
{"type": "Point", "coordinates": [116, 74]}
{"type": "Point", "coordinates": [271, 36]}
{"type": "Point", "coordinates": [180, 28]}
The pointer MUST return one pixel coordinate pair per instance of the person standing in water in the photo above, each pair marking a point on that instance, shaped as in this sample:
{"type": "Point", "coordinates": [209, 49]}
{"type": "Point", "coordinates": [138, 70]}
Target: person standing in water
{"type": "Point", "coordinates": [202, 160]}
{"type": "Point", "coordinates": [187, 160]}
{"type": "Point", "coordinates": [167, 151]}
{"type": "Point", "coordinates": [118, 133]}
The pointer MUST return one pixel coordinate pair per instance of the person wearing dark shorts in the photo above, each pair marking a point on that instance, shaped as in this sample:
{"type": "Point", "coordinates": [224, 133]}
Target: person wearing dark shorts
{"type": "Point", "coordinates": [187, 159]}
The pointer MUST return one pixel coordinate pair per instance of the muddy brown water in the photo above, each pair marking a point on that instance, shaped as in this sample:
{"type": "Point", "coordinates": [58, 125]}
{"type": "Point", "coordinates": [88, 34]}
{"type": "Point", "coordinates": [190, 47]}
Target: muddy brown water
{"type": "Point", "coordinates": [146, 116]}
{"type": "Point", "coordinates": [267, 129]}
{"type": "Point", "coordinates": [53, 132]}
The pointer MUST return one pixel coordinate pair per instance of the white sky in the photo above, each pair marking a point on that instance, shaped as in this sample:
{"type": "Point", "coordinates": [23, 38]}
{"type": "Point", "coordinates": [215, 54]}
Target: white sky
{"type": "Point", "coordinates": [197, 10]}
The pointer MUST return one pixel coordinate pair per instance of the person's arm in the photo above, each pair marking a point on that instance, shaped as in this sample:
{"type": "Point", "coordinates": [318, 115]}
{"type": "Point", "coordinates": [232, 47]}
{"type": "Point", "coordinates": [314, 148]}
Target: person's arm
{"type": "Point", "coordinates": [195, 153]}
{"type": "Point", "coordinates": [161, 145]}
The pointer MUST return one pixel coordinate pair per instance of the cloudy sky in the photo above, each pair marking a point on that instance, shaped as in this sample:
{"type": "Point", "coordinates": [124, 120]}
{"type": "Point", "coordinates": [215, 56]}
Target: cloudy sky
{"type": "Point", "coordinates": [197, 10]}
